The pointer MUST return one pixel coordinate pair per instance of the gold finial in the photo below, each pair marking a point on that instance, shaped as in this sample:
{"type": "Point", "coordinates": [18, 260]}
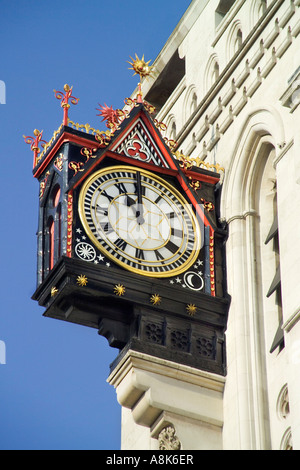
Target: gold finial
{"type": "Point", "coordinates": [140, 67]}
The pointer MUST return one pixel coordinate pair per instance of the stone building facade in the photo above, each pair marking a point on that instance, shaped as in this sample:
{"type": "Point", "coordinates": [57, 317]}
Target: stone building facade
{"type": "Point", "coordinates": [228, 89]}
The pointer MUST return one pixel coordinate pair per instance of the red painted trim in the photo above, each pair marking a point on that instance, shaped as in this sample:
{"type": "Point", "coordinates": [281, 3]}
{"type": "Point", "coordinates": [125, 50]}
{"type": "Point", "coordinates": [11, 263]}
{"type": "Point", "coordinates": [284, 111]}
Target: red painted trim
{"type": "Point", "coordinates": [159, 143]}
{"type": "Point", "coordinates": [127, 161]}
{"type": "Point", "coordinates": [65, 137]}
{"type": "Point", "coordinates": [202, 216]}
{"type": "Point", "coordinates": [202, 177]}
{"type": "Point", "coordinates": [212, 261]}
{"type": "Point", "coordinates": [70, 224]}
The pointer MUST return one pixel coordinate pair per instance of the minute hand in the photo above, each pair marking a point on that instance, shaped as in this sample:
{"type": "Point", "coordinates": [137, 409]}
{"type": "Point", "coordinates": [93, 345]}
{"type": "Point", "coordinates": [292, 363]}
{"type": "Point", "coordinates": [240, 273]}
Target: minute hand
{"type": "Point", "coordinates": [139, 190]}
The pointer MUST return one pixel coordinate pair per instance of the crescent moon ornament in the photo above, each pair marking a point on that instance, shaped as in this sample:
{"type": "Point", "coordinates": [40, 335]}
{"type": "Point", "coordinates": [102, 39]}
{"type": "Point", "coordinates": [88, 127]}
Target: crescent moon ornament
{"type": "Point", "coordinates": [193, 280]}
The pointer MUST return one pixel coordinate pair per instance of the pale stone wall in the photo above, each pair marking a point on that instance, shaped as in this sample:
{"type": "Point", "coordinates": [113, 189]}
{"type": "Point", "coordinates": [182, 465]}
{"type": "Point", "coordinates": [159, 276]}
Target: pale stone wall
{"type": "Point", "coordinates": [238, 105]}
{"type": "Point", "coordinates": [167, 405]}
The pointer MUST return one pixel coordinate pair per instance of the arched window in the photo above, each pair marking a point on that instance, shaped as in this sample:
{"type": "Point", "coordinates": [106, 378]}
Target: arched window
{"type": "Point", "coordinates": [216, 72]}
{"type": "Point", "coordinates": [173, 131]}
{"type": "Point", "coordinates": [190, 102]}
{"type": "Point", "coordinates": [234, 39]}
{"type": "Point", "coordinates": [249, 203]}
{"type": "Point", "coordinates": [262, 7]}
{"type": "Point", "coordinates": [52, 229]}
{"type": "Point", "coordinates": [171, 127]}
{"type": "Point", "coordinates": [286, 442]}
{"type": "Point", "coordinates": [283, 403]}
{"type": "Point", "coordinates": [193, 103]}
{"type": "Point", "coordinates": [270, 252]}
{"type": "Point", "coordinates": [58, 231]}
{"type": "Point", "coordinates": [257, 10]}
{"type": "Point", "coordinates": [238, 40]}
{"type": "Point", "coordinates": [50, 232]}
{"type": "Point", "coordinates": [212, 72]}
{"type": "Point", "coordinates": [55, 195]}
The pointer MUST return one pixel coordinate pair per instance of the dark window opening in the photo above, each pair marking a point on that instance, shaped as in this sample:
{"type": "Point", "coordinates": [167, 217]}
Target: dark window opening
{"type": "Point", "coordinates": [222, 9]}
{"type": "Point", "coordinates": [166, 82]}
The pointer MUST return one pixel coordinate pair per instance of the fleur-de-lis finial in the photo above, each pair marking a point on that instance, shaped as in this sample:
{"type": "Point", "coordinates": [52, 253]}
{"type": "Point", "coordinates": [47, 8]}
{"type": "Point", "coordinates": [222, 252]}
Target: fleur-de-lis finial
{"type": "Point", "coordinates": [34, 144]}
{"type": "Point", "coordinates": [65, 97]}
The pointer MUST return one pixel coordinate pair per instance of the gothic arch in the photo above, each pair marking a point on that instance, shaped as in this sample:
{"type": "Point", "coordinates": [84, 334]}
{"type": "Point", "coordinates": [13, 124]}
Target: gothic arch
{"type": "Point", "coordinates": [246, 343]}
{"type": "Point", "coordinates": [190, 102]}
{"type": "Point", "coordinates": [211, 72]}
{"type": "Point", "coordinates": [171, 127]}
{"type": "Point", "coordinates": [262, 125]}
{"type": "Point", "coordinates": [234, 39]}
{"type": "Point", "coordinates": [257, 9]}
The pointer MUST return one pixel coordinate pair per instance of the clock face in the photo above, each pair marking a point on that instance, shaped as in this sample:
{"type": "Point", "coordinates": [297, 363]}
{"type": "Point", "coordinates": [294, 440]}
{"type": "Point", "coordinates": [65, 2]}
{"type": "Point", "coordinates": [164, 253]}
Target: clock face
{"type": "Point", "coordinates": [139, 221]}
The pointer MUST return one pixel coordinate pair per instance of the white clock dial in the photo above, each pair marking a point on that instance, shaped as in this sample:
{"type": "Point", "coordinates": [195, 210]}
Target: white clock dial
{"type": "Point", "coordinates": [139, 221]}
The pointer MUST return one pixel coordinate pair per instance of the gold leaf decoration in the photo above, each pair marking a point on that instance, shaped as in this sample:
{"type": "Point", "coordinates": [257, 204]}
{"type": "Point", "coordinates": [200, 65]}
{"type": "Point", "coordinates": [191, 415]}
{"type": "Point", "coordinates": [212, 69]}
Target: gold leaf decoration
{"type": "Point", "coordinates": [155, 299]}
{"type": "Point", "coordinates": [119, 290]}
{"type": "Point", "coordinates": [82, 280]}
{"type": "Point", "coordinates": [191, 309]}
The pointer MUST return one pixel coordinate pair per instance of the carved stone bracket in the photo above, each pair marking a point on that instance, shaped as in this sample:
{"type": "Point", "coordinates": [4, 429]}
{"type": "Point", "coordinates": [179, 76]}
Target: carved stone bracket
{"type": "Point", "coordinates": [167, 439]}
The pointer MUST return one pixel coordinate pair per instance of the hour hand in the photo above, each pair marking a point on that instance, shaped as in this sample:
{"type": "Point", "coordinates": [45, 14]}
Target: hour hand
{"type": "Point", "coordinates": [130, 201]}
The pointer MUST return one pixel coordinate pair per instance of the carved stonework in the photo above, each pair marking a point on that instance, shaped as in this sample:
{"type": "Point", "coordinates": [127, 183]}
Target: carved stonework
{"type": "Point", "coordinates": [167, 439]}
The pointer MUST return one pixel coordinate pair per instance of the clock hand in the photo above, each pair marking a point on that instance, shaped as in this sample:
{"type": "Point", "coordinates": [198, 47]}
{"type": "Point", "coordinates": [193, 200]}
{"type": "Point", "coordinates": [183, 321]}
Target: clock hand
{"type": "Point", "coordinates": [139, 212]}
{"type": "Point", "coordinates": [130, 202]}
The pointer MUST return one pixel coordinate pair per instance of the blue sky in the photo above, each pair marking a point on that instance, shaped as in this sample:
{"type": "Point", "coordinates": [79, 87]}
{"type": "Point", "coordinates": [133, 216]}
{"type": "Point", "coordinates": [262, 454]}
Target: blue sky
{"type": "Point", "coordinates": [53, 390]}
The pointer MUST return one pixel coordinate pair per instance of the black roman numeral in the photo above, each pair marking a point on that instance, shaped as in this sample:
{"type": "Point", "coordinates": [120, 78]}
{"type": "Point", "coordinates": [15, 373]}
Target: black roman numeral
{"type": "Point", "coordinates": [159, 197]}
{"type": "Point", "coordinates": [106, 227]}
{"type": "Point", "coordinates": [172, 247]}
{"type": "Point", "coordinates": [108, 196]}
{"type": "Point", "coordinates": [139, 254]}
{"type": "Point", "coordinates": [176, 232]}
{"type": "Point", "coordinates": [170, 215]}
{"type": "Point", "coordinates": [121, 244]}
{"type": "Point", "coordinates": [121, 188]}
{"type": "Point", "coordinates": [159, 256]}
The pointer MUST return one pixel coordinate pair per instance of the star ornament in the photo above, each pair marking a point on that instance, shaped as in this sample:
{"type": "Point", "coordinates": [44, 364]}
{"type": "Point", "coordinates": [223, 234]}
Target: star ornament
{"type": "Point", "coordinates": [140, 67]}
{"type": "Point", "coordinates": [191, 309]}
{"type": "Point", "coordinates": [155, 299]}
{"type": "Point", "coordinates": [54, 291]}
{"type": "Point", "coordinates": [119, 290]}
{"type": "Point", "coordinates": [82, 280]}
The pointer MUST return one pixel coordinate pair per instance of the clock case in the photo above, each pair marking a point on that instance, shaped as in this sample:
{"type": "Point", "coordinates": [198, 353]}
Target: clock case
{"type": "Point", "coordinates": [167, 318]}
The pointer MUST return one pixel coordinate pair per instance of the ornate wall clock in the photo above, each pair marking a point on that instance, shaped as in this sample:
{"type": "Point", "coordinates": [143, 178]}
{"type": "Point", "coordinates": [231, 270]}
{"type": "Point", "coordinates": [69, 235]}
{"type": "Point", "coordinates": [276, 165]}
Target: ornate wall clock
{"type": "Point", "coordinates": [139, 221]}
{"type": "Point", "coordinates": [132, 246]}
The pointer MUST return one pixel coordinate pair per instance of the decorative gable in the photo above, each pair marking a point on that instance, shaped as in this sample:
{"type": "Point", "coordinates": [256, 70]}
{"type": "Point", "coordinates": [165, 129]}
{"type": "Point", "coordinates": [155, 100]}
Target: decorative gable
{"type": "Point", "coordinates": [139, 145]}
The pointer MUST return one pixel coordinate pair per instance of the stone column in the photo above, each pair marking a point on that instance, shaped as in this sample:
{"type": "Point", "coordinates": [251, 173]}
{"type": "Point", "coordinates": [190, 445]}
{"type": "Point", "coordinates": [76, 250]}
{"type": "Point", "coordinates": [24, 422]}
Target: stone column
{"type": "Point", "coordinates": [166, 405]}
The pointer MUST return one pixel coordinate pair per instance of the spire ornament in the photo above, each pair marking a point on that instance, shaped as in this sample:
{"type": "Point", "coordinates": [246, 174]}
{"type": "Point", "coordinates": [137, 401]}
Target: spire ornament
{"type": "Point", "coordinates": [143, 69]}
{"type": "Point", "coordinates": [140, 67]}
{"type": "Point", "coordinates": [65, 97]}
{"type": "Point", "coordinates": [34, 144]}
{"type": "Point", "coordinates": [113, 117]}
